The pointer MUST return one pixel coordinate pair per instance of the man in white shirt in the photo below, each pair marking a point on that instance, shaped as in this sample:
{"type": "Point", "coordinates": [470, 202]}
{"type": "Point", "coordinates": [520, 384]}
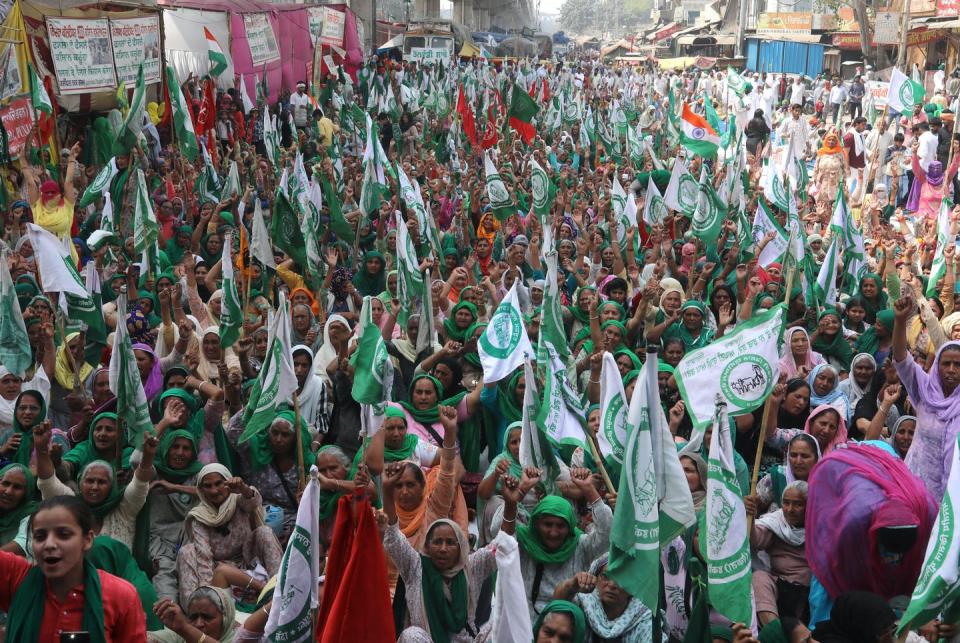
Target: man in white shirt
{"type": "Point", "coordinates": [300, 105]}
{"type": "Point", "coordinates": [838, 93]}
{"type": "Point", "coordinates": [796, 92]}
{"type": "Point", "coordinates": [795, 132]}
{"type": "Point", "coordinates": [928, 146]}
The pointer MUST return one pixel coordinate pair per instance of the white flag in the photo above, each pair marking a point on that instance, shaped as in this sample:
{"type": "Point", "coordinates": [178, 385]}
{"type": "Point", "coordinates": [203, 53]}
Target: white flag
{"type": "Point", "coordinates": [742, 367]}
{"type": "Point", "coordinates": [683, 191]}
{"type": "Point", "coordinates": [763, 222]}
{"type": "Point", "coordinates": [561, 413]}
{"type": "Point", "coordinates": [612, 432]}
{"type": "Point", "coordinates": [57, 270]}
{"type": "Point", "coordinates": [504, 345]}
{"type": "Point", "coordinates": [125, 383]}
{"type": "Point", "coordinates": [654, 208]}
{"type": "Point", "coordinates": [259, 237]}
{"type": "Point", "coordinates": [903, 92]}
{"type": "Point", "coordinates": [295, 597]}
{"type": "Point", "coordinates": [827, 278]}
{"type": "Point", "coordinates": [245, 96]}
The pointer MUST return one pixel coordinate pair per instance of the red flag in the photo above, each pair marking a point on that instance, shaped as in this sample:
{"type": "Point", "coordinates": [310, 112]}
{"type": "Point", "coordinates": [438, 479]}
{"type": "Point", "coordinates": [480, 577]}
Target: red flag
{"type": "Point", "coordinates": [47, 123]}
{"type": "Point", "coordinates": [356, 596]}
{"type": "Point", "coordinates": [490, 137]}
{"type": "Point", "coordinates": [207, 116]}
{"type": "Point", "coordinates": [165, 120]}
{"type": "Point", "coordinates": [545, 99]}
{"type": "Point", "coordinates": [533, 90]}
{"type": "Point", "coordinates": [466, 113]}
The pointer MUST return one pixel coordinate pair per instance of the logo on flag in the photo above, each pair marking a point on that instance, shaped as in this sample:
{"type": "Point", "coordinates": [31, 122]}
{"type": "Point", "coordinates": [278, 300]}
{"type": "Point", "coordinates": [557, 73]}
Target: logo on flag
{"type": "Point", "coordinates": [504, 337]}
{"type": "Point", "coordinates": [497, 190]}
{"type": "Point", "coordinates": [746, 380]}
{"type": "Point", "coordinates": [906, 94]}
{"type": "Point", "coordinates": [688, 192]}
{"type": "Point", "coordinates": [612, 428]}
{"type": "Point", "coordinates": [538, 184]}
{"type": "Point", "coordinates": [697, 133]}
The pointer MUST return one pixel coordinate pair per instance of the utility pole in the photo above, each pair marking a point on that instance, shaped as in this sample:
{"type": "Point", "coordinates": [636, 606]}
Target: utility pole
{"type": "Point", "coordinates": [741, 26]}
{"type": "Point", "coordinates": [373, 27]}
{"type": "Point", "coordinates": [904, 30]}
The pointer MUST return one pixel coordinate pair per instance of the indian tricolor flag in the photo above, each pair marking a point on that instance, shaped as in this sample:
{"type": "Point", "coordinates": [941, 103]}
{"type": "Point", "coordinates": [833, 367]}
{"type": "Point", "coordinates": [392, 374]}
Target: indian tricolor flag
{"type": "Point", "coordinates": [696, 134]}
{"type": "Point", "coordinates": [215, 55]}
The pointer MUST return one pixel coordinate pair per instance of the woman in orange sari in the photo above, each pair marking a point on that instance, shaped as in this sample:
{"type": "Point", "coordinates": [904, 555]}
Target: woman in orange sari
{"type": "Point", "coordinates": [421, 499]}
{"type": "Point", "coordinates": [828, 173]}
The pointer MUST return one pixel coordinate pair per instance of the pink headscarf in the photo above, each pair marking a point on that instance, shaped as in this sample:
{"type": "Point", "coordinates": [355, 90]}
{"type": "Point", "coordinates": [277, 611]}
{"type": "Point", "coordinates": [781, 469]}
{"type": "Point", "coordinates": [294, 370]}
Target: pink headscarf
{"type": "Point", "coordinates": [855, 492]}
{"type": "Point", "coordinates": [155, 380]}
{"type": "Point", "coordinates": [839, 438]}
{"type": "Point", "coordinates": [788, 365]}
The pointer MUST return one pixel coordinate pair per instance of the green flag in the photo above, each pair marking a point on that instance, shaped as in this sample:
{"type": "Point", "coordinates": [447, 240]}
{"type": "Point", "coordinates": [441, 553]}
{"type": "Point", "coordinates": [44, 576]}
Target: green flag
{"type": "Point", "coordinates": [38, 93]}
{"type": "Point", "coordinates": [134, 120]}
{"type": "Point", "coordinates": [710, 213]}
{"type": "Point", "coordinates": [373, 379]}
{"type": "Point", "coordinates": [724, 539]}
{"type": "Point", "coordinates": [735, 82]}
{"type": "Point", "coordinates": [145, 228]}
{"type": "Point", "coordinates": [15, 352]}
{"type": "Point", "coordinates": [938, 588]}
{"type": "Point", "coordinates": [100, 185]}
{"type": "Point", "coordinates": [500, 199]}
{"type": "Point", "coordinates": [653, 505]}
{"type": "Point", "coordinates": [276, 381]}
{"type": "Point", "coordinates": [552, 330]}
{"type": "Point", "coordinates": [407, 263]}
{"type": "Point", "coordinates": [944, 238]}
{"type": "Point", "coordinates": [285, 229]}
{"type": "Point", "coordinates": [125, 383]}
{"type": "Point", "coordinates": [543, 189]}
{"type": "Point", "coordinates": [535, 449]}
{"type": "Point", "coordinates": [231, 312]}
{"type": "Point", "coordinates": [182, 121]}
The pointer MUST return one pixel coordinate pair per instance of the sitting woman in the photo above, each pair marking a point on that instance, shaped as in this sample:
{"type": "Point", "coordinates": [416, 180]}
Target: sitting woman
{"type": "Point", "coordinates": [172, 495]}
{"type": "Point", "coordinates": [114, 508]}
{"type": "Point", "coordinates": [824, 384]}
{"type": "Point", "coordinates": [210, 616]}
{"type": "Point", "coordinates": [18, 501]}
{"type": "Point", "coordinates": [337, 478]}
{"type": "Point", "coordinates": [99, 603]}
{"type": "Point", "coordinates": [441, 584]}
{"type": "Point", "coordinates": [611, 613]}
{"type": "Point", "coordinates": [489, 500]}
{"type": "Point", "coordinates": [393, 443]}
{"type": "Point", "coordinates": [422, 411]}
{"type": "Point", "coordinates": [803, 452]}
{"type": "Point", "coordinates": [552, 547]}
{"type": "Point", "coordinates": [420, 500]}
{"type": "Point", "coordinates": [104, 442]}
{"type": "Point", "coordinates": [828, 340]}
{"type": "Point", "coordinates": [16, 443]}
{"type": "Point", "coordinates": [782, 589]}
{"type": "Point", "coordinates": [268, 460]}
{"type": "Point", "coordinates": [226, 527]}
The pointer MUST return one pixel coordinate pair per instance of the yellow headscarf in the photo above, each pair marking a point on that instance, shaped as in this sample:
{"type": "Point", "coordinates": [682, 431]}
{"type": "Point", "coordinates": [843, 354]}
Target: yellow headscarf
{"type": "Point", "coordinates": [63, 372]}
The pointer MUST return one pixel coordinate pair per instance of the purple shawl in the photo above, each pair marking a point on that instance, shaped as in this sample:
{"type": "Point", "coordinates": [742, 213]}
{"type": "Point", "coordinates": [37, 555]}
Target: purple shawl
{"type": "Point", "coordinates": [854, 492]}
{"type": "Point", "coordinates": [947, 409]}
{"type": "Point", "coordinates": [155, 380]}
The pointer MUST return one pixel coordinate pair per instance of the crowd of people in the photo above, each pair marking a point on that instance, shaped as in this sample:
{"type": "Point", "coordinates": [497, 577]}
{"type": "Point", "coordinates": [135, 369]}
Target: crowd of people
{"type": "Point", "coordinates": [179, 535]}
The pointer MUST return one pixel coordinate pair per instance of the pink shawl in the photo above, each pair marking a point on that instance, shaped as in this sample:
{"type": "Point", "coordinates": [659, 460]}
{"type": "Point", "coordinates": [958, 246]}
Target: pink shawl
{"type": "Point", "coordinates": [788, 365]}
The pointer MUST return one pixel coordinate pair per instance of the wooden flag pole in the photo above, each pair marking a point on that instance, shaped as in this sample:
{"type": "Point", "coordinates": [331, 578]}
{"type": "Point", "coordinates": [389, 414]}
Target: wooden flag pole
{"type": "Point", "coordinates": [595, 451]}
{"type": "Point", "coordinates": [296, 438]}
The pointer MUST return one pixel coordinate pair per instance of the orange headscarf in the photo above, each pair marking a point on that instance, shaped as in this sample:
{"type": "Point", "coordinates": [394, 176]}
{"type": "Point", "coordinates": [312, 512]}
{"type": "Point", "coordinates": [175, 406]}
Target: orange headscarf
{"type": "Point", "coordinates": [314, 305]}
{"type": "Point", "coordinates": [411, 522]}
{"type": "Point", "coordinates": [830, 149]}
{"type": "Point", "coordinates": [482, 233]}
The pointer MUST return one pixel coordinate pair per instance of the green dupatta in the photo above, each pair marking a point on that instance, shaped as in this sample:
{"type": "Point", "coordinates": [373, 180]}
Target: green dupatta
{"type": "Point", "coordinates": [530, 541]}
{"type": "Point", "coordinates": [25, 616]}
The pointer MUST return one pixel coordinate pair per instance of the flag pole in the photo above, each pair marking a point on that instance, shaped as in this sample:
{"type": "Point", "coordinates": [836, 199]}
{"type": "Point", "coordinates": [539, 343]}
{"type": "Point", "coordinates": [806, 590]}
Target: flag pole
{"type": "Point", "coordinates": [756, 462]}
{"type": "Point", "coordinates": [296, 437]}
{"type": "Point", "coordinates": [595, 451]}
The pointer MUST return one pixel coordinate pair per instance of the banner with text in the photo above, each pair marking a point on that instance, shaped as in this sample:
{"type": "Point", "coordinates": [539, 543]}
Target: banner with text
{"type": "Point", "coordinates": [332, 31]}
{"type": "Point", "coordinates": [17, 119]}
{"type": "Point", "coordinates": [136, 40]}
{"type": "Point", "coordinates": [428, 55]}
{"type": "Point", "coordinates": [82, 56]}
{"type": "Point", "coordinates": [11, 83]}
{"type": "Point", "coordinates": [260, 38]}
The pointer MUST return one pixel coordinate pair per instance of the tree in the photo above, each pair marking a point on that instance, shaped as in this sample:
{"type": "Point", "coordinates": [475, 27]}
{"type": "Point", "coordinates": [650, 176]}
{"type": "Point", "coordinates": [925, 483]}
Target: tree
{"type": "Point", "coordinates": [579, 16]}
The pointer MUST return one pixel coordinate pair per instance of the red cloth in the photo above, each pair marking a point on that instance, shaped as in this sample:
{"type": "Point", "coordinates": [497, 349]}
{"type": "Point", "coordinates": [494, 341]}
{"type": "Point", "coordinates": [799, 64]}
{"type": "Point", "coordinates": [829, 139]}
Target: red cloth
{"type": "Point", "coordinates": [207, 116]}
{"type": "Point", "coordinates": [356, 598]}
{"type": "Point", "coordinates": [466, 113]}
{"type": "Point", "coordinates": [123, 615]}
{"type": "Point", "coordinates": [490, 137]}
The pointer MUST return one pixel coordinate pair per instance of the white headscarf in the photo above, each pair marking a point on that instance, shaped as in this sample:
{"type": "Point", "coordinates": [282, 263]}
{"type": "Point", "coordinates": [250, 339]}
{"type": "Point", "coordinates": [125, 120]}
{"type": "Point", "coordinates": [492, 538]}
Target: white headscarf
{"type": "Point", "coordinates": [207, 514]}
{"type": "Point", "coordinates": [327, 352]}
{"type": "Point", "coordinates": [853, 390]}
{"type": "Point", "coordinates": [6, 406]}
{"type": "Point", "coordinates": [309, 397]}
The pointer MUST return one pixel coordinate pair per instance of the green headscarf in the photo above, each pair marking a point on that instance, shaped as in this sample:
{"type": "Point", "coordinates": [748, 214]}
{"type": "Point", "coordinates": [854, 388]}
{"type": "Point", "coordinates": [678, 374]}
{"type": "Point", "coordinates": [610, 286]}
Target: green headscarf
{"type": "Point", "coordinates": [369, 284]}
{"type": "Point", "coordinates": [261, 455]}
{"type": "Point", "coordinates": [152, 318]}
{"type": "Point", "coordinates": [680, 331]}
{"type": "Point", "coordinates": [473, 358]}
{"type": "Point", "coordinates": [637, 364]}
{"type": "Point", "coordinates": [838, 348]}
{"type": "Point", "coordinates": [426, 416]}
{"type": "Point", "coordinates": [450, 323]}
{"type": "Point", "coordinates": [25, 615]}
{"type": "Point", "coordinates": [113, 557]}
{"type": "Point", "coordinates": [196, 421]}
{"type": "Point", "coordinates": [510, 410]}
{"type": "Point", "coordinates": [10, 521]}
{"type": "Point", "coordinates": [174, 250]}
{"type": "Point", "coordinates": [86, 452]}
{"type": "Point", "coordinates": [582, 316]}
{"type": "Point", "coordinates": [176, 476]}
{"type": "Point", "coordinates": [868, 342]}
{"type": "Point", "coordinates": [445, 616]}
{"type": "Point", "coordinates": [113, 498]}
{"type": "Point", "coordinates": [515, 469]}
{"type": "Point", "coordinates": [619, 326]}
{"type": "Point", "coordinates": [529, 539]}
{"type": "Point", "coordinates": [579, 620]}
{"type": "Point", "coordinates": [22, 456]}
{"type": "Point", "coordinates": [615, 304]}
{"type": "Point", "coordinates": [873, 306]}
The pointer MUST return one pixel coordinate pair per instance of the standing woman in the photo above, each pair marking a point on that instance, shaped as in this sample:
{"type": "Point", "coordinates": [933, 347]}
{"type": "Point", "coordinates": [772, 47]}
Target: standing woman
{"type": "Point", "coordinates": [29, 410]}
{"type": "Point", "coordinates": [64, 592]}
{"type": "Point", "coordinates": [936, 399]}
{"type": "Point", "coordinates": [829, 171]}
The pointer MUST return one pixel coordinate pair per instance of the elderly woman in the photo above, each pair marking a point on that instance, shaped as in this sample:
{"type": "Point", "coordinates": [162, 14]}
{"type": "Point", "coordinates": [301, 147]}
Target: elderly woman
{"type": "Point", "coordinates": [489, 500]}
{"type": "Point", "coordinates": [114, 508]}
{"type": "Point", "coordinates": [268, 461]}
{"type": "Point", "coordinates": [304, 327]}
{"type": "Point", "coordinates": [803, 453]}
{"type": "Point", "coordinates": [824, 384]}
{"type": "Point", "coordinates": [393, 443]}
{"type": "Point", "coordinates": [16, 443]}
{"type": "Point", "coordinates": [552, 547]}
{"type": "Point", "coordinates": [560, 621]}
{"type": "Point", "coordinates": [210, 615]}
{"type": "Point", "coordinates": [311, 392]}
{"type": "Point", "coordinates": [419, 499]}
{"type": "Point", "coordinates": [442, 584]}
{"type": "Point", "coordinates": [225, 528]}
{"type": "Point", "coordinates": [862, 369]}
{"type": "Point", "coordinates": [104, 442]}
{"type": "Point", "coordinates": [18, 501]}
{"type": "Point", "coordinates": [798, 357]}
{"type": "Point", "coordinates": [936, 399]}
{"type": "Point", "coordinates": [611, 613]}
{"type": "Point", "coordinates": [828, 340]}
{"type": "Point", "coordinates": [782, 588]}
{"type": "Point", "coordinates": [70, 374]}
{"type": "Point", "coordinates": [691, 328]}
